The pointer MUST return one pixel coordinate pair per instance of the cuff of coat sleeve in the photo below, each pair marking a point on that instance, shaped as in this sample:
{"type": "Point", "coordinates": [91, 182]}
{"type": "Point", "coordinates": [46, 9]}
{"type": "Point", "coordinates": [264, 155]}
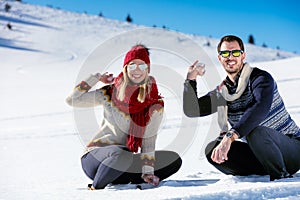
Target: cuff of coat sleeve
{"type": "Point", "coordinates": [92, 80]}
{"type": "Point", "coordinates": [237, 133]}
{"type": "Point", "coordinates": [146, 169]}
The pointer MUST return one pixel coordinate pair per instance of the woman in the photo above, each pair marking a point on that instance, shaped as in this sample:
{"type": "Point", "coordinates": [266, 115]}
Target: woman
{"type": "Point", "coordinates": [133, 111]}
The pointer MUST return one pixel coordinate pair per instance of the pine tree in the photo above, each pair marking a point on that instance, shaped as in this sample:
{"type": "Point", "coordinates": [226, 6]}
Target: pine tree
{"type": "Point", "coordinates": [7, 7]}
{"type": "Point", "coordinates": [264, 45]}
{"type": "Point", "coordinates": [251, 39]}
{"type": "Point", "coordinates": [128, 19]}
{"type": "Point", "coordinates": [9, 26]}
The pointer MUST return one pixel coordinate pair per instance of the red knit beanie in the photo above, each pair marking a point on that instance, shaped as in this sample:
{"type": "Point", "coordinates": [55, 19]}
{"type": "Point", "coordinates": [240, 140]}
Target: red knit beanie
{"type": "Point", "coordinates": [137, 52]}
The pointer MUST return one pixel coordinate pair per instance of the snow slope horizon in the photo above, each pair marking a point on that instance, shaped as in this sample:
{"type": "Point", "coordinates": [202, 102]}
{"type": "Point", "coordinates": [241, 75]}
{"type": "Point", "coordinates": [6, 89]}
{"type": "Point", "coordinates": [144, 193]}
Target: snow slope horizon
{"type": "Point", "coordinates": [40, 61]}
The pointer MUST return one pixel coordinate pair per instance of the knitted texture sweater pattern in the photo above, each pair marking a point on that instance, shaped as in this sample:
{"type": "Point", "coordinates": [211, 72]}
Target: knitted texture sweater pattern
{"type": "Point", "coordinates": [277, 117]}
{"type": "Point", "coordinates": [115, 123]}
{"type": "Point", "coordinates": [259, 105]}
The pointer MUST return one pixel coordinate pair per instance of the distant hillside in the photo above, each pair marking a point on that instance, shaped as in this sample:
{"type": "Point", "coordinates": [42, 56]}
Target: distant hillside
{"type": "Point", "coordinates": [28, 24]}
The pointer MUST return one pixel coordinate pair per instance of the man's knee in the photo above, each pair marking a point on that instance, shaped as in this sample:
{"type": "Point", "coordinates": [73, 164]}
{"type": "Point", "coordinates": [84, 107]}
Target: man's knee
{"type": "Point", "coordinates": [257, 134]}
{"type": "Point", "coordinates": [209, 148]}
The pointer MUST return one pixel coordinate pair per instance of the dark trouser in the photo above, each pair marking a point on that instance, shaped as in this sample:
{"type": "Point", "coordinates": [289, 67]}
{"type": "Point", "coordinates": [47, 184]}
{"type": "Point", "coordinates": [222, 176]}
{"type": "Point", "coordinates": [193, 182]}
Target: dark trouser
{"type": "Point", "coordinates": [267, 152]}
{"type": "Point", "coordinates": [116, 165]}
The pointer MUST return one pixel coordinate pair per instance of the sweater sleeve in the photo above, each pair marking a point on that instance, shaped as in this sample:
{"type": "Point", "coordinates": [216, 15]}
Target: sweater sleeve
{"type": "Point", "coordinates": [149, 140]}
{"type": "Point", "coordinates": [203, 106]}
{"type": "Point", "coordinates": [82, 97]}
{"type": "Point", "coordinates": [262, 86]}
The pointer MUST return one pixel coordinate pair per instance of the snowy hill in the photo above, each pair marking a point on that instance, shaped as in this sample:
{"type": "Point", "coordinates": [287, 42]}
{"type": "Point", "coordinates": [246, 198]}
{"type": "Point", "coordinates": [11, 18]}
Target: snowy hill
{"type": "Point", "coordinates": [47, 51]}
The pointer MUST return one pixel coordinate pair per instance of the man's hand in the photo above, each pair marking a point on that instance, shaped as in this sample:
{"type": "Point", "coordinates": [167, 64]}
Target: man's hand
{"type": "Point", "coordinates": [151, 179]}
{"type": "Point", "coordinates": [195, 70]}
{"type": "Point", "coordinates": [219, 154]}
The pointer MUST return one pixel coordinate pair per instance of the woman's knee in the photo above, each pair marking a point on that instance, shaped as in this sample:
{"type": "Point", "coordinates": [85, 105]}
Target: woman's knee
{"type": "Point", "coordinates": [89, 166]}
{"type": "Point", "coordinates": [103, 153]}
{"type": "Point", "coordinates": [177, 159]}
{"type": "Point", "coordinates": [168, 156]}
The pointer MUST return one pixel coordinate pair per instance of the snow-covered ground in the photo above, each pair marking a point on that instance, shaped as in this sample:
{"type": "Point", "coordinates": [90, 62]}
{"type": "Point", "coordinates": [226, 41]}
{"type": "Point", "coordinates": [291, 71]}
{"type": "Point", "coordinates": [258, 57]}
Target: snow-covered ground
{"type": "Point", "coordinates": [41, 140]}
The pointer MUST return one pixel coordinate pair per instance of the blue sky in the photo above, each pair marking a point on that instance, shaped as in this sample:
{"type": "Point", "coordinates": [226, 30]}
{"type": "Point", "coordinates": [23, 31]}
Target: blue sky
{"type": "Point", "coordinates": [275, 23]}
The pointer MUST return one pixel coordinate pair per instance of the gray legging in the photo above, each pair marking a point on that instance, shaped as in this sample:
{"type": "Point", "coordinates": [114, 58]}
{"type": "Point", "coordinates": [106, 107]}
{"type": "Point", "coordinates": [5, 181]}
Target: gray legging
{"type": "Point", "coordinates": [115, 164]}
{"type": "Point", "coordinates": [267, 152]}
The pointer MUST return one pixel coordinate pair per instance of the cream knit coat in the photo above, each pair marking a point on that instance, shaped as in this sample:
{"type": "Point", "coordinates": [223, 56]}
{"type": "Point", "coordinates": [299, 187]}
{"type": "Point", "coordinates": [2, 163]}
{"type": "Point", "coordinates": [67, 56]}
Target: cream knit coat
{"type": "Point", "coordinates": [115, 125]}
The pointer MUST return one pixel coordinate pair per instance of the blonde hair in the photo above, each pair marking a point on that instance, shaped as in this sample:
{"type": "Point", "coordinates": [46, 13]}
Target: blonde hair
{"type": "Point", "coordinates": [142, 91]}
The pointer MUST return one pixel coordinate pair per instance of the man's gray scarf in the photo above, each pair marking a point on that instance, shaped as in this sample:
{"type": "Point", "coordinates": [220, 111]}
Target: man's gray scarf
{"type": "Point", "coordinates": [242, 84]}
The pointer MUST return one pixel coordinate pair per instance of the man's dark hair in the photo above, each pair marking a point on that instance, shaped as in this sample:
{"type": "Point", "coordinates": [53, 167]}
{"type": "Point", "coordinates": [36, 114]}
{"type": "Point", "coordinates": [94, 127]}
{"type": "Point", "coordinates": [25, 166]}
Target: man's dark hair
{"type": "Point", "coordinates": [231, 38]}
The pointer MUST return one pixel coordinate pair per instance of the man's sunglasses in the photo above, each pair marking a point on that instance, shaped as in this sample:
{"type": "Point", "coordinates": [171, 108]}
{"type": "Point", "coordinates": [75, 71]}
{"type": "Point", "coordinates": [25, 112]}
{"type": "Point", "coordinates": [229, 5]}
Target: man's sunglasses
{"type": "Point", "coordinates": [235, 53]}
{"type": "Point", "coordinates": [133, 66]}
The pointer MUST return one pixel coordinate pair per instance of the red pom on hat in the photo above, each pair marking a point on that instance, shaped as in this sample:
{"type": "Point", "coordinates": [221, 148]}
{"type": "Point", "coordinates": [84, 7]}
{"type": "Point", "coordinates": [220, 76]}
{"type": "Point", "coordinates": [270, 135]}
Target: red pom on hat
{"type": "Point", "coordinates": [137, 52]}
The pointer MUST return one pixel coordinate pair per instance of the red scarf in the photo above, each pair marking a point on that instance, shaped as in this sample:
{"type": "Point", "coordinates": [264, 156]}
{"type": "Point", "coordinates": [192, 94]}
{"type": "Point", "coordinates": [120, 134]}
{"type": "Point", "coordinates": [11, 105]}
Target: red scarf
{"type": "Point", "coordinates": [140, 113]}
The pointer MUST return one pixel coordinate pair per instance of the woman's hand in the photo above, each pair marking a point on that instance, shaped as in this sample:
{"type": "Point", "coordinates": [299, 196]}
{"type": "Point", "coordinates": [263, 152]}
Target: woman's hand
{"type": "Point", "coordinates": [105, 78]}
{"type": "Point", "coordinates": [197, 69]}
{"type": "Point", "coordinates": [151, 179]}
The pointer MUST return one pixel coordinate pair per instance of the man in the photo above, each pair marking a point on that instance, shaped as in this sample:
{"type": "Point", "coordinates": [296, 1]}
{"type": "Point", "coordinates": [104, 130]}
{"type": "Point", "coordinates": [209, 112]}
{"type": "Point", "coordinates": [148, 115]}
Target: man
{"type": "Point", "coordinates": [249, 100]}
